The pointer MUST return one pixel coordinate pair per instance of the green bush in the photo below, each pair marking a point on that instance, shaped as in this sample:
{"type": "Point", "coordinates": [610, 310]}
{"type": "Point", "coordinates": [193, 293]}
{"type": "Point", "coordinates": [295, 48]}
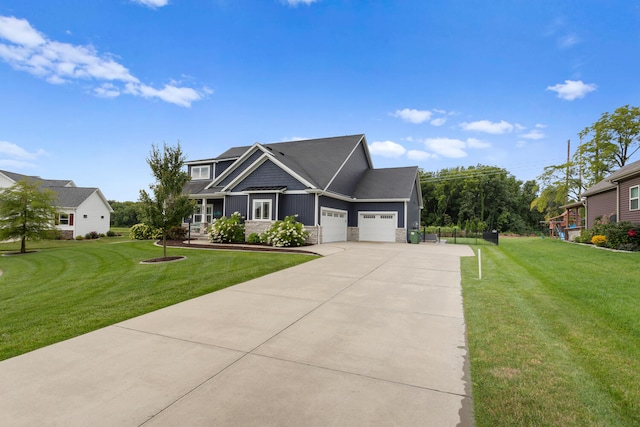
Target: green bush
{"type": "Point", "coordinates": [285, 233]}
{"type": "Point", "coordinates": [92, 235]}
{"type": "Point", "coordinates": [144, 232]}
{"type": "Point", "coordinates": [111, 233]}
{"type": "Point", "coordinates": [254, 239]}
{"type": "Point", "coordinates": [227, 230]}
{"type": "Point", "coordinates": [78, 237]}
{"type": "Point", "coordinates": [177, 233]}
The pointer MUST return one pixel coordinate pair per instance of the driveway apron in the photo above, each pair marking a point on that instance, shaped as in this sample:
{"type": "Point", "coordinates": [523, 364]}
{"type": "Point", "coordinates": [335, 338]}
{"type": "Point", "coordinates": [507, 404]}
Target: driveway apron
{"type": "Point", "coordinates": [369, 334]}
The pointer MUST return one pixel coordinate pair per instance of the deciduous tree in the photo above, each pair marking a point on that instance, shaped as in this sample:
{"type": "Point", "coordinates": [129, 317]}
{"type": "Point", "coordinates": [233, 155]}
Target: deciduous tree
{"type": "Point", "coordinates": [26, 212]}
{"type": "Point", "coordinates": [166, 206]}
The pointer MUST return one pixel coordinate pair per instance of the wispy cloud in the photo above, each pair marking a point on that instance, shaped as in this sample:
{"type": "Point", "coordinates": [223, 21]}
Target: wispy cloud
{"type": "Point", "coordinates": [568, 41]}
{"type": "Point", "coordinates": [9, 149]}
{"type": "Point", "coordinates": [572, 89]}
{"type": "Point", "coordinates": [412, 115]}
{"type": "Point", "coordinates": [418, 155]}
{"type": "Point", "coordinates": [453, 148]}
{"type": "Point", "coordinates": [533, 134]}
{"type": "Point", "coordinates": [14, 157]}
{"type": "Point", "coordinates": [153, 4]}
{"type": "Point", "coordinates": [26, 49]}
{"type": "Point", "coordinates": [487, 126]}
{"type": "Point", "coordinates": [387, 149]}
{"type": "Point", "coordinates": [297, 2]}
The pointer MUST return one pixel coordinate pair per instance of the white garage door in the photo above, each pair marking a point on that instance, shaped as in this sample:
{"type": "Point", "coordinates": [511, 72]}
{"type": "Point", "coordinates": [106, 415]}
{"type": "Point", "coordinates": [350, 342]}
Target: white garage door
{"type": "Point", "coordinates": [377, 226]}
{"type": "Point", "coordinates": [334, 225]}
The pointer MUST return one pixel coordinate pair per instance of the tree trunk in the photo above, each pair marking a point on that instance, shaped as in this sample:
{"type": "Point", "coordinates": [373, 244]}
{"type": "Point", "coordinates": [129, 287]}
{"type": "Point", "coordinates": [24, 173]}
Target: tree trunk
{"type": "Point", "coordinates": [23, 245]}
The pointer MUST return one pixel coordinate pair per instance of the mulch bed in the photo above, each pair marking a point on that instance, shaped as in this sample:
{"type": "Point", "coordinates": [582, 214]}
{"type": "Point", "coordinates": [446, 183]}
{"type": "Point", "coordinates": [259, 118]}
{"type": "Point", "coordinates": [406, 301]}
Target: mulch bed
{"type": "Point", "coordinates": [234, 247]}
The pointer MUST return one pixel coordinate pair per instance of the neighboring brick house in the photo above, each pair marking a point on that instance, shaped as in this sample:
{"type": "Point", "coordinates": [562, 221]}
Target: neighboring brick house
{"type": "Point", "coordinates": [330, 183]}
{"type": "Point", "coordinates": [81, 210]}
{"type": "Point", "coordinates": [616, 197]}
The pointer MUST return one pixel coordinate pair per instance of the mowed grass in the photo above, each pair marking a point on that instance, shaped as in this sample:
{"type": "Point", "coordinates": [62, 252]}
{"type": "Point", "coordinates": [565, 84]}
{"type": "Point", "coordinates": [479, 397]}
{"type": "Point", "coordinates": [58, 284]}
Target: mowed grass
{"type": "Point", "coordinates": [554, 334]}
{"type": "Point", "coordinates": [69, 288]}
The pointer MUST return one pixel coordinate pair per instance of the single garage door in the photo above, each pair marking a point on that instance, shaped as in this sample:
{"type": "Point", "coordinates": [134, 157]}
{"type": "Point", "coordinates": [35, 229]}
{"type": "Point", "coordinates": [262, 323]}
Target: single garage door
{"type": "Point", "coordinates": [334, 225]}
{"type": "Point", "coordinates": [377, 226]}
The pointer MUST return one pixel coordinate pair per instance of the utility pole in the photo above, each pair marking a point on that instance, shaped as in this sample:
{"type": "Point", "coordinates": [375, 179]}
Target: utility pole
{"type": "Point", "coordinates": [566, 199]}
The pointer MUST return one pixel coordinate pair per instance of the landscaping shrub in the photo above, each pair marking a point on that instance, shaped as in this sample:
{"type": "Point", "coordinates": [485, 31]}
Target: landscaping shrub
{"type": "Point", "coordinates": [144, 232]}
{"type": "Point", "coordinates": [254, 239]}
{"type": "Point", "coordinates": [599, 240]}
{"type": "Point", "coordinates": [285, 233]}
{"type": "Point", "coordinates": [177, 233]}
{"type": "Point", "coordinates": [111, 233]}
{"type": "Point", "coordinates": [92, 235]}
{"type": "Point", "coordinates": [227, 230]}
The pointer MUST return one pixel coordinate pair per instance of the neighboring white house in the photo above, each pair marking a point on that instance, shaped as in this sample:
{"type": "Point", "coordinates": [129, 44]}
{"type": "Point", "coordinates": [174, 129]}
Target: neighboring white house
{"type": "Point", "coordinates": [81, 210]}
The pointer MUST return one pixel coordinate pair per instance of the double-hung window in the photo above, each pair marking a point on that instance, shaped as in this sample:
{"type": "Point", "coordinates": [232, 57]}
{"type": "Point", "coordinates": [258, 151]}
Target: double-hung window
{"type": "Point", "coordinates": [200, 172]}
{"type": "Point", "coordinates": [262, 209]}
{"type": "Point", "coordinates": [634, 198]}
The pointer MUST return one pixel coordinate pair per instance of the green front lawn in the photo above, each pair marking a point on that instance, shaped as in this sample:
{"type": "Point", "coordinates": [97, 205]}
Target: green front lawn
{"type": "Point", "coordinates": [554, 334]}
{"type": "Point", "coordinates": [69, 288]}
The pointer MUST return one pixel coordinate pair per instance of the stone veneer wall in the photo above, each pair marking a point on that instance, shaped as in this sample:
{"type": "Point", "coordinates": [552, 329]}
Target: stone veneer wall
{"type": "Point", "coordinates": [353, 234]}
{"type": "Point", "coordinates": [256, 227]}
{"type": "Point", "coordinates": [66, 234]}
{"type": "Point", "coordinates": [314, 235]}
{"type": "Point", "coordinates": [401, 235]}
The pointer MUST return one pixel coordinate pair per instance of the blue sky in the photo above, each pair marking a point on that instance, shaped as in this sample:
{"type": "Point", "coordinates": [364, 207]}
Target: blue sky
{"type": "Point", "coordinates": [86, 87]}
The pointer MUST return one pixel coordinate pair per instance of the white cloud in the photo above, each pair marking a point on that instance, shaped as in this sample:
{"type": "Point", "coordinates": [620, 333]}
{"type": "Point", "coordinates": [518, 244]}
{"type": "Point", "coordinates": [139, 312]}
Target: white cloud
{"type": "Point", "coordinates": [477, 143]}
{"type": "Point", "coordinates": [28, 50]}
{"type": "Point", "coordinates": [418, 155]}
{"type": "Point", "coordinates": [446, 147]}
{"type": "Point", "coordinates": [534, 134]}
{"type": "Point", "coordinates": [439, 121]}
{"type": "Point", "coordinates": [413, 116]}
{"type": "Point", "coordinates": [568, 41]}
{"type": "Point", "coordinates": [453, 148]}
{"type": "Point", "coordinates": [387, 149]}
{"type": "Point", "coordinates": [572, 89]}
{"type": "Point", "coordinates": [10, 149]}
{"type": "Point", "coordinates": [152, 3]}
{"type": "Point", "coordinates": [107, 90]}
{"type": "Point", "coordinates": [488, 126]}
{"type": "Point", "coordinates": [297, 2]}
{"type": "Point", "coordinates": [182, 96]}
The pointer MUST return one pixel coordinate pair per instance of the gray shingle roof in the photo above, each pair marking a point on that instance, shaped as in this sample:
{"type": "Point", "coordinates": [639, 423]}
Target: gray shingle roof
{"type": "Point", "coordinates": [43, 182]}
{"type": "Point", "coordinates": [316, 160]}
{"type": "Point", "coordinates": [387, 183]}
{"type": "Point", "coordinates": [627, 171]}
{"type": "Point", "coordinates": [72, 197]}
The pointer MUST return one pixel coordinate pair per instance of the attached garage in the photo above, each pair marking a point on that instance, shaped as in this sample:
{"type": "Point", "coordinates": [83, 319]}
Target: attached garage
{"type": "Point", "coordinates": [334, 225]}
{"type": "Point", "coordinates": [377, 226]}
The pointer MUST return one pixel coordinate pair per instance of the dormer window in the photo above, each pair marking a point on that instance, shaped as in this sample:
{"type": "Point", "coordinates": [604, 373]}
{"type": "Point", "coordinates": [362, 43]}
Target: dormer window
{"type": "Point", "coordinates": [200, 172]}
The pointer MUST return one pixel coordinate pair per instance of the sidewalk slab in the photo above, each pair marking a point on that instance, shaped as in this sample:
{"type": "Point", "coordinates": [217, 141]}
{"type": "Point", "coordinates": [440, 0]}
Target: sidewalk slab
{"type": "Point", "coordinates": [290, 394]}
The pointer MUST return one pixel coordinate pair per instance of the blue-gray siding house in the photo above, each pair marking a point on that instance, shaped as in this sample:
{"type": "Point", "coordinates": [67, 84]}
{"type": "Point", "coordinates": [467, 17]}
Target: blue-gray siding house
{"type": "Point", "coordinates": [329, 183]}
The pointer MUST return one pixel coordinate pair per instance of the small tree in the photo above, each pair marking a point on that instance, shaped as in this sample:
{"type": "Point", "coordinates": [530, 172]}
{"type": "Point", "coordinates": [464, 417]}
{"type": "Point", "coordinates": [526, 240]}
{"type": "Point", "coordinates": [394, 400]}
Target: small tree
{"type": "Point", "coordinates": [166, 206]}
{"type": "Point", "coordinates": [26, 212]}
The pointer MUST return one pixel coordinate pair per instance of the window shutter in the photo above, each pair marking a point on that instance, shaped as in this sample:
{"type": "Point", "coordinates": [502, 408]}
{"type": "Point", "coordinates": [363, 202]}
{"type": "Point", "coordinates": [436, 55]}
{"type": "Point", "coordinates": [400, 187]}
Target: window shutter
{"type": "Point", "coordinates": [70, 219]}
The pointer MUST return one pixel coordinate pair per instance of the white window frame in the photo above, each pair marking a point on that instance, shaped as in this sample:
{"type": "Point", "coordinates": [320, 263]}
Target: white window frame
{"type": "Point", "coordinates": [636, 198]}
{"type": "Point", "coordinates": [261, 203]}
{"type": "Point", "coordinates": [62, 221]}
{"type": "Point", "coordinates": [200, 172]}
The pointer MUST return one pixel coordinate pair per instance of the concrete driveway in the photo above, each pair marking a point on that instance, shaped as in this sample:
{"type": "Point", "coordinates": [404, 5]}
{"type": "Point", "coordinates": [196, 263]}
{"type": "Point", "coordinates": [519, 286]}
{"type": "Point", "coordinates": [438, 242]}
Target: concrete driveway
{"type": "Point", "coordinates": [370, 334]}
